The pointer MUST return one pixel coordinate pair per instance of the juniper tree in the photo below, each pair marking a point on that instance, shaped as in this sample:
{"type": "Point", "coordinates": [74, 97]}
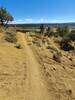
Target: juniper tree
{"type": "Point", "coordinates": [5, 16]}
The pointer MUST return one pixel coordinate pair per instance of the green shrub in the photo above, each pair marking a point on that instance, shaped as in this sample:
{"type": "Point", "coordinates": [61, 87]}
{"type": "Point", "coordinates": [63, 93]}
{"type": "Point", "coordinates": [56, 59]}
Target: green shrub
{"type": "Point", "coordinates": [53, 48]}
{"type": "Point", "coordinates": [68, 37]}
{"type": "Point", "coordinates": [66, 46]}
{"type": "Point", "coordinates": [65, 43]}
{"type": "Point", "coordinates": [63, 30]}
{"type": "Point", "coordinates": [72, 36]}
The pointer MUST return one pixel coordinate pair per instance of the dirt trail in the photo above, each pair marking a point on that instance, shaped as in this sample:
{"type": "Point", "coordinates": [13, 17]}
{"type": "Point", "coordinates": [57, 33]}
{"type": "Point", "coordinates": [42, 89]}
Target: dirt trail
{"type": "Point", "coordinates": [35, 88]}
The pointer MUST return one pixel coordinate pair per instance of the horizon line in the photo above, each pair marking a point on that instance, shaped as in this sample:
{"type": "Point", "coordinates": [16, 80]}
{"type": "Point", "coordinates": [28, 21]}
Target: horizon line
{"type": "Point", "coordinates": [44, 23]}
{"type": "Point", "coordinates": [41, 20]}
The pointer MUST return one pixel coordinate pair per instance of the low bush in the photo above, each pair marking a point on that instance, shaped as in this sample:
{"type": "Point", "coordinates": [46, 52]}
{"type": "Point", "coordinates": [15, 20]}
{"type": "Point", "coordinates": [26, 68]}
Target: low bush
{"type": "Point", "coordinates": [51, 34]}
{"type": "Point", "coordinates": [52, 48]}
{"type": "Point", "coordinates": [2, 29]}
{"type": "Point", "coordinates": [65, 43]}
{"type": "Point", "coordinates": [72, 36]}
{"type": "Point", "coordinates": [68, 37]}
{"type": "Point", "coordinates": [66, 46]}
{"type": "Point", "coordinates": [11, 37]}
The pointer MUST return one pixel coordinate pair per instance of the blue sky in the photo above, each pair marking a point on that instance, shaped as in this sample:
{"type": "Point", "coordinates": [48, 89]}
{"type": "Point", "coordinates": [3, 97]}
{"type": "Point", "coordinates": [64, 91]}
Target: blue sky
{"type": "Point", "coordinates": [39, 11]}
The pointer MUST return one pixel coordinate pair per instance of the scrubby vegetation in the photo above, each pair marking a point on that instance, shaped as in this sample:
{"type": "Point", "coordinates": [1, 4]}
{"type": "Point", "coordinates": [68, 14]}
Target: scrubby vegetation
{"type": "Point", "coordinates": [10, 35]}
{"type": "Point", "coordinates": [2, 29]}
{"type": "Point", "coordinates": [64, 32]}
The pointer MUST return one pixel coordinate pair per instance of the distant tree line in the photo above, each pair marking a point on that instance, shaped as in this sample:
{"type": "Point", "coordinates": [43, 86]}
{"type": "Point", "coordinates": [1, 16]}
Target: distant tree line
{"type": "Point", "coordinates": [49, 31]}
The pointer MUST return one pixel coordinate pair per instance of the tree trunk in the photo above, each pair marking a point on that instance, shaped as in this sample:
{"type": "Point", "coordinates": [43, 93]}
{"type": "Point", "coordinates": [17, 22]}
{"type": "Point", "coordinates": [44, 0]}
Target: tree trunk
{"type": "Point", "coordinates": [1, 22]}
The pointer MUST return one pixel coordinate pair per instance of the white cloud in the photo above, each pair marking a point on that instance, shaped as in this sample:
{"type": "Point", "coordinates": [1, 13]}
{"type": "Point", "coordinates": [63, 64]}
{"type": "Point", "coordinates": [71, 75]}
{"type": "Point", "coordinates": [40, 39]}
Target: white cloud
{"type": "Point", "coordinates": [41, 20]}
{"type": "Point", "coordinates": [30, 20]}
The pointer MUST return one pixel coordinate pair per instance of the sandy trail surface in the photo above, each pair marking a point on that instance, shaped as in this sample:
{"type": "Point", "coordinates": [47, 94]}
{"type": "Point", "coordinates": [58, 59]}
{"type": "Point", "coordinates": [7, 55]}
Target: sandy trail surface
{"type": "Point", "coordinates": [20, 74]}
{"type": "Point", "coordinates": [36, 89]}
